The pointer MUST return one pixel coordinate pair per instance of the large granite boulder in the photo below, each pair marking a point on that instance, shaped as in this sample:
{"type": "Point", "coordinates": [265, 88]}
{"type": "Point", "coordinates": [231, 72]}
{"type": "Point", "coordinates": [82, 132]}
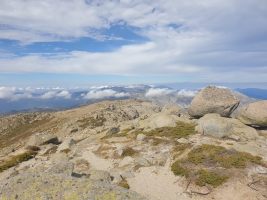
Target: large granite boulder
{"type": "Point", "coordinates": [213, 100]}
{"type": "Point", "coordinates": [254, 114]}
{"type": "Point", "coordinates": [221, 127]}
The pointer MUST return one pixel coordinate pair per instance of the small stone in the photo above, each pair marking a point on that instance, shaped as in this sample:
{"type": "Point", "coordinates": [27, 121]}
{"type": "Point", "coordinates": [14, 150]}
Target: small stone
{"type": "Point", "coordinates": [183, 141]}
{"type": "Point", "coordinates": [126, 161]}
{"type": "Point", "coordinates": [140, 137]}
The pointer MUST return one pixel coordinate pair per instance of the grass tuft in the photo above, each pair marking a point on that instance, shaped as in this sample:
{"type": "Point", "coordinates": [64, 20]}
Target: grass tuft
{"type": "Point", "coordinates": [178, 170]}
{"type": "Point", "coordinates": [211, 178]}
{"type": "Point", "coordinates": [128, 152]}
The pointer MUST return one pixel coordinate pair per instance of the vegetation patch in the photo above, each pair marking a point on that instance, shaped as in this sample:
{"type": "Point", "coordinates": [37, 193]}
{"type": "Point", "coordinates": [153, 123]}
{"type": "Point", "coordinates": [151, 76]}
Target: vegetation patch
{"type": "Point", "coordinates": [178, 170]}
{"type": "Point", "coordinates": [123, 183]}
{"type": "Point", "coordinates": [181, 129]}
{"type": "Point", "coordinates": [211, 178]}
{"type": "Point", "coordinates": [92, 122]}
{"type": "Point", "coordinates": [221, 157]}
{"type": "Point", "coordinates": [15, 160]}
{"type": "Point", "coordinates": [211, 165]}
{"type": "Point", "coordinates": [128, 152]}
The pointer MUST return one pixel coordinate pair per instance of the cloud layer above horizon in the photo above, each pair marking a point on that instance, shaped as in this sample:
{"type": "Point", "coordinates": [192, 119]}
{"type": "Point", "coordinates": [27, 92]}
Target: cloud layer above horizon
{"type": "Point", "coordinates": [209, 40]}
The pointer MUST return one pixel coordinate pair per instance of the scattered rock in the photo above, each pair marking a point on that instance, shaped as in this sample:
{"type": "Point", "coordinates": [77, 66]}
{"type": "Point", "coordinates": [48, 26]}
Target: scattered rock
{"type": "Point", "coordinates": [220, 127]}
{"type": "Point", "coordinates": [48, 149]}
{"type": "Point", "coordinates": [100, 175]}
{"type": "Point", "coordinates": [213, 100]}
{"type": "Point", "coordinates": [254, 114]}
{"type": "Point", "coordinates": [201, 190]}
{"type": "Point", "coordinates": [140, 137]}
{"type": "Point", "coordinates": [113, 131]}
{"type": "Point", "coordinates": [142, 162]}
{"type": "Point", "coordinates": [65, 146]}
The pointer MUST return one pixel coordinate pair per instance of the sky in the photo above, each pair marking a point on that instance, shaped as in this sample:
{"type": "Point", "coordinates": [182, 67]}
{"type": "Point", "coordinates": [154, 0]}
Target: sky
{"type": "Point", "coordinates": [81, 42]}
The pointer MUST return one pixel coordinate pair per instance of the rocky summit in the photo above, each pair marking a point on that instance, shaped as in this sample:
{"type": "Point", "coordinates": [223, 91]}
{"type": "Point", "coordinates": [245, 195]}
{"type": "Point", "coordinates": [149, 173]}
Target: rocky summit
{"type": "Point", "coordinates": [136, 150]}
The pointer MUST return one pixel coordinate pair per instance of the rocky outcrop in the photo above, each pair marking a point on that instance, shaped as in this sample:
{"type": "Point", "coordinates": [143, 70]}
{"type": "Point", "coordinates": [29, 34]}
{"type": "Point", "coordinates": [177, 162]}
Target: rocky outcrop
{"type": "Point", "coordinates": [213, 100]}
{"type": "Point", "coordinates": [39, 184]}
{"type": "Point", "coordinates": [220, 127]}
{"type": "Point", "coordinates": [39, 139]}
{"type": "Point", "coordinates": [254, 114]}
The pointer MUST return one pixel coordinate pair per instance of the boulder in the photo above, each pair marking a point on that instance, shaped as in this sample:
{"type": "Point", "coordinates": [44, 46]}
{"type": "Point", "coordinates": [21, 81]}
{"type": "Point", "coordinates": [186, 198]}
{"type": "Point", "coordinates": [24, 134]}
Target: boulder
{"type": "Point", "coordinates": [39, 139]}
{"type": "Point", "coordinates": [173, 109]}
{"type": "Point", "coordinates": [159, 120]}
{"type": "Point", "coordinates": [220, 127]}
{"type": "Point", "coordinates": [254, 114]}
{"type": "Point", "coordinates": [213, 100]}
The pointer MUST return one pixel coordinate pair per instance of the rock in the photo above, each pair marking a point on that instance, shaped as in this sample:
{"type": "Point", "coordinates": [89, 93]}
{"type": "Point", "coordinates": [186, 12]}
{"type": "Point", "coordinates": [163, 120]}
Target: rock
{"type": "Point", "coordinates": [100, 175]}
{"type": "Point", "coordinates": [126, 161]}
{"type": "Point", "coordinates": [140, 137]}
{"type": "Point", "coordinates": [254, 114]}
{"type": "Point", "coordinates": [113, 131]}
{"type": "Point", "coordinates": [221, 127]}
{"type": "Point", "coordinates": [61, 164]}
{"type": "Point", "coordinates": [195, 189]}
{"type": "Point", "coordinates": [81, 166]}
{"type": "Point", "coordinates": [213, 100]}
{"type": "Point", "coordinates": [65, 146]}
{"type": "Point", "coordinates": [142, 162]}
{"type": "Point", "coordinates": [48, 149]}
{"type": "Point", "coordinates": [39, 139]}
{"type": "Point", "coordinates": [36, 183]}
{"type": "Point", "coordinates": [159, 120]}
{"type": "Point", "coordinates": [183, 141]}
{"type": "Point", "coordinates": [172, 109]}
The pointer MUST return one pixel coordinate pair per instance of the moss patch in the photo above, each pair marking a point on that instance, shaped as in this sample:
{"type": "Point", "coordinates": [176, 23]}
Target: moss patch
{"type": "Point", "coordinates": [210, 164]}
{"type": "Point", "coordinates": [15, 160]}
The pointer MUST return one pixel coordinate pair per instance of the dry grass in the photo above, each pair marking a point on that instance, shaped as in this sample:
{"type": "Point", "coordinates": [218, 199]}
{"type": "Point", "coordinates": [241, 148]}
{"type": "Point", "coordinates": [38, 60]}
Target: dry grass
{"type": "Point", "coordinates": [180, 130]}
{"type": "Point", "coordinates": [15, 160]}
{"type": "Point", "coordinates": [128, 152]}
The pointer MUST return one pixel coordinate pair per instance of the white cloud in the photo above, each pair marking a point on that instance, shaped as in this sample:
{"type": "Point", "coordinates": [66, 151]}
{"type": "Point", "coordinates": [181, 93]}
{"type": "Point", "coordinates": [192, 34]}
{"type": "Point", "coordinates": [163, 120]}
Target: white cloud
{"type": "Point", "coordinates": [107, 93]}
{"type": "Point", "coordinates": [56, 94]}
{"type": "Point", "coordinates": [187, 93]}
{"type": "Point", "coordinates": [196, 40]}
{"type": "Point", "coordinates": [13, 93]}
{"type": "Point", "coordinates": [7, 92]}
{"type": "Point", "coordinates": [155, 92]}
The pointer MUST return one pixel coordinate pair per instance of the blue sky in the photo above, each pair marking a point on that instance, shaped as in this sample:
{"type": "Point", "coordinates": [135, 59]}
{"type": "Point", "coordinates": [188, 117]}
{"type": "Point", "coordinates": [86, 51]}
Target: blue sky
{"type": "Point", "coordinates": [81, 42]}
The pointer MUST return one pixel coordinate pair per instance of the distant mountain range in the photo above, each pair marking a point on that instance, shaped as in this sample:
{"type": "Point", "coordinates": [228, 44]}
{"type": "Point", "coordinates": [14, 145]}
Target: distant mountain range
{"type": "Point", "coordinates": [14, 100]}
